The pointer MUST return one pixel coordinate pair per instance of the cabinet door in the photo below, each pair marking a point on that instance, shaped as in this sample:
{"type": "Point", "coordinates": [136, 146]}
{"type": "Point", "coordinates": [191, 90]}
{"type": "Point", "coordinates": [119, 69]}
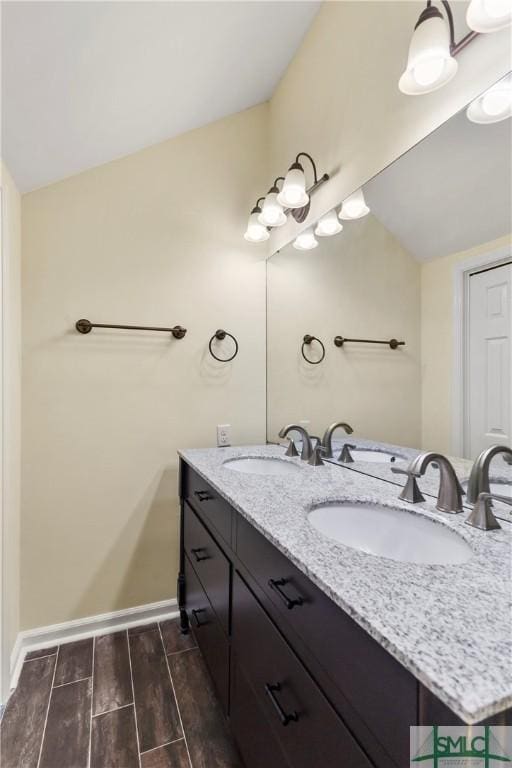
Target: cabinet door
{"type": "Point", "coordinates": [208, 633]}
{"type": "Point", "coordinates": [257, 745]}
{"type": "Point", "coordinates": [210, 564]}
{"type": "Point", "coordinates": [309, 731]}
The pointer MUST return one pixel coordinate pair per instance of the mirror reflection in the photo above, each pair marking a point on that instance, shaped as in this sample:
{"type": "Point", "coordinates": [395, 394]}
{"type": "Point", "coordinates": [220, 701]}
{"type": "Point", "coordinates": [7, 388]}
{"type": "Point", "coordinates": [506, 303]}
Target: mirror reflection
{"type": "Point", "coordinates": [393, 314]}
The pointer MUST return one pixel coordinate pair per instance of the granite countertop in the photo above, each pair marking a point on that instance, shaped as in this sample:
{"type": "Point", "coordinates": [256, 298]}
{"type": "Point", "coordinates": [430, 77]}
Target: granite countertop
{"type": "Point", "coordinates": [449, 625]}
{"type": "Point", "coordinates": [429, 483]}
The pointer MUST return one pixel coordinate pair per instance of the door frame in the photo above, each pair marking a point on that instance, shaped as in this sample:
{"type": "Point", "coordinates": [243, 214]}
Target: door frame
{"type": "Point", "coordinates": [461, 274]}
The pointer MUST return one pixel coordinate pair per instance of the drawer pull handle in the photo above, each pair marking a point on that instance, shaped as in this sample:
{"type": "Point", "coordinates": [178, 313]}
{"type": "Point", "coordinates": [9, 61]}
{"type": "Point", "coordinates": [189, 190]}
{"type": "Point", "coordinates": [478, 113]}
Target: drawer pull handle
{"type": "Point", "coordinates": [277, 585]}
{"type": "Point", "coordinates": [199, 557]}
{"type": "Point", "coordinates": [203, 496]}
{"type": "Point", "coordinates": [195, 613]}
{"type": "Point", "coordinates": [285, 718]}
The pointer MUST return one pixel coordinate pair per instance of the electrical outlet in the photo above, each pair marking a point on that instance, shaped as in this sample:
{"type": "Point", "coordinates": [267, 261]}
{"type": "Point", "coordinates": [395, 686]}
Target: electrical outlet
{"type": "Point", "coordinates": [305, 423]}
{"type": "Point", "coordinates": [223, 435]}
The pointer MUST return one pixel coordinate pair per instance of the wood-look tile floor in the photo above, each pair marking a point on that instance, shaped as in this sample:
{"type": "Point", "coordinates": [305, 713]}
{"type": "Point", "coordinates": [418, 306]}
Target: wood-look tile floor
{"type": "Point", "coordinates": [140, 698]}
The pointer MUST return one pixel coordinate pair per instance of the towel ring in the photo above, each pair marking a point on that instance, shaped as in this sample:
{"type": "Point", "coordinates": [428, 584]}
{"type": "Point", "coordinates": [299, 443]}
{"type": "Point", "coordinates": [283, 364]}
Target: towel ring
{"type": "Point", "coordinates": [220, 335]}
{"type": "Point", "coordinates": [307, 340]}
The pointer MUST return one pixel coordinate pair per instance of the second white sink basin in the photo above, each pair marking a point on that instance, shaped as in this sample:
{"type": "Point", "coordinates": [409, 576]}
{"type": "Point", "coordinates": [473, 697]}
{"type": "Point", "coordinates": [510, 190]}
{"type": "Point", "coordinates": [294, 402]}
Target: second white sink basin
{"type": "Point", "coordinates": [389, 532]}
{"type": "Point", "coordinates": [261, 466]}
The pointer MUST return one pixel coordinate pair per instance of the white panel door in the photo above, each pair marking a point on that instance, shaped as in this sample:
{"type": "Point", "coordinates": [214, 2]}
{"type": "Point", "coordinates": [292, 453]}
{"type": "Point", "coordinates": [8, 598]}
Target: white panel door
{"type": "Point", "coordinates": [489, 388]}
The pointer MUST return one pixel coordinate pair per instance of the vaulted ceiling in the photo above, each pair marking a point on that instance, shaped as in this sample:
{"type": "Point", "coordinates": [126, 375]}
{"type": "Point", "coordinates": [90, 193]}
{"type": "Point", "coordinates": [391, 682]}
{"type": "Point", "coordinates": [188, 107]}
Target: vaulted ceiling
{"type": "Point", "coordinates": [86, 82]}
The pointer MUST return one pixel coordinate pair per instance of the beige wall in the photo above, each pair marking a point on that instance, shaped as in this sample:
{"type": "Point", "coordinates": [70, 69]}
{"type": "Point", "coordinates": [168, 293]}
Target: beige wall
{"type": "Point", "coordinates": [361, 284]}
{"type": "Point", "coordinates": [437, 345]}
{"type": "Point", "coordinates": [10, 349]}
{"type": "Point", "coordinates": [154, 238]}
{"type": "Point", "coordinates": [339, 98]}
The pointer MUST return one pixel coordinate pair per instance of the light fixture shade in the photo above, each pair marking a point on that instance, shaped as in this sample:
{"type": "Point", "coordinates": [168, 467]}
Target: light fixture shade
{"type": "Point", "coordinates": [494, 105]}
{"type": "Point", "coordinates": [272, 214]}
{"type": "Point", "coordinates": [328, 225]}
{"type": "Point", "coordinates": [354, 207]}
{"type": "Point", "coordinates": [306, 241]}
{"type": "Point", "coordinates": [255, 232]}
{"type": "Point", "coordinates": [430, 64]}
{"type": "Point", "coordinates": [489, 15]}
{"type": "Point", "coordinates": [293, 193]}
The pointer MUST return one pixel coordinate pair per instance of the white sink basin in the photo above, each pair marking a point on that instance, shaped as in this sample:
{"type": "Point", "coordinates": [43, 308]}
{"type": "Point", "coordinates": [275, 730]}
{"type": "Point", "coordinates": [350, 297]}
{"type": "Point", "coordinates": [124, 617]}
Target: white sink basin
{"type": "Point", "coordinates": [261, 466]}
{"type": "Point", "coordinates": [381, 457]}
{"type": "Point", "coordinates": [389, 532]}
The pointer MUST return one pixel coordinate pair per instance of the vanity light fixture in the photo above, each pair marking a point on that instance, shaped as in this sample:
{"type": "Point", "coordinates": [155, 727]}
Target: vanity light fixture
{"type": "Point", "coordinates": [354, 207]}
{"type": "Point", "coordinates": [306, 241]}
{"type": "Point", "coordinates": [272, 214]}
{"type": "Point", "coordinates": [494, 105]}
{"type": "Point", "coordinates": [256, 232]}
{"type": "Point", "coordinates": [430, 63]}
{"type": "Point", "coordinates": [293, 193]}
{"type": "Point", "coordinates": [489, 15]}
{"type": "Point", "coordinates": [328, 225]}
{"type": "Point", "coordinates": [293, 198]}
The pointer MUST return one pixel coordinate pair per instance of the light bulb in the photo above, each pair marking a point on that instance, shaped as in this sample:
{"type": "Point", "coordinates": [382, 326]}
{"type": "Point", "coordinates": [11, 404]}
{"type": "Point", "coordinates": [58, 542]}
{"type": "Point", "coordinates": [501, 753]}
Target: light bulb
{"type": "Point", "coordinates": [430, 63]}
{"type": "Point", "coordinates": [494, 105]}
{"type": "Point", "coordinates": [328, 225]}
{"type": "Point", "coordinates": [489, 15]}
{"type": "Point", "coordinates": [255, 232]}
{"type": "Point", "coordinates": [427, 71]}
{"type": "Point", "coordinates": [354, 207]}
{"type": "Point", "coordinates": [306, 241]}
{"type": "Point", "coordinates": [293, 194]}
{"type": "Point", "coordinates": [272, 214]}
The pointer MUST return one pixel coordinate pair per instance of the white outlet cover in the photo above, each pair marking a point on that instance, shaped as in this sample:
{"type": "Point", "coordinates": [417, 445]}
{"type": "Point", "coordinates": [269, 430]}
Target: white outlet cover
{"type": "Point", "coordinates": [223, 435]}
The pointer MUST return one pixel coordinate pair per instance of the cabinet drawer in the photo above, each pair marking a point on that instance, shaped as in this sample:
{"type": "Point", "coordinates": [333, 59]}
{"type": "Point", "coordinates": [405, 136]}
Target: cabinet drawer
{"type": "Point", "coordinates": [379, 689]}
{"type": "Point", "coordinates": [308, 729]}
{"type": "Point", "coordinates": [210, 637]}
{"type": "Point", "coordinates": [210, 505]}
{"type": "Point", "coordinates": [258, 746]}
{"type": "Point", "coordinates": [210, 564]}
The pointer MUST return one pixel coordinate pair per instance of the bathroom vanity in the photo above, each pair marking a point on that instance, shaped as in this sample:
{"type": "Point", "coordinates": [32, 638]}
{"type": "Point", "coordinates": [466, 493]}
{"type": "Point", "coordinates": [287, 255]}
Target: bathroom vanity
{"type": "Point", "coordinates": [323, 654]}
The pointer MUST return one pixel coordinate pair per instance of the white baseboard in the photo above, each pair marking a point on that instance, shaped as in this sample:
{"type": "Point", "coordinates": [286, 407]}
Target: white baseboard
{"type": "Point", "coordinates": [57, 634]}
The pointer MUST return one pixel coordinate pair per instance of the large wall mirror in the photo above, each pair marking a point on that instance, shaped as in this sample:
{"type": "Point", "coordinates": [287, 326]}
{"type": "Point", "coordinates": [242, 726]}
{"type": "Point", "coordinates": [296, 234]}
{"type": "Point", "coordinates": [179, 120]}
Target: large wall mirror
{"type": "Point", "coordinates": [429, 265]}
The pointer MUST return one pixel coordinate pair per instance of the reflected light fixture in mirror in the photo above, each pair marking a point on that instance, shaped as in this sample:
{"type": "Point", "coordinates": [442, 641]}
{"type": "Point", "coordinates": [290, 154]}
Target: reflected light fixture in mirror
{"type": "Point", "coordinates": [272, 214]}
{"type": "Point", "coordinates": [256, 232]}
{"type": "Point", "coordinates": [430, 64]}
{"type": "Point", "coordinates": [494, 105]}
{"type": "Point", "coordinates": [354, 207]}
{"type": "Point", "coordinates": [328, 225]}
{"type": "Point", "coordinates": [489, 15]}
{"type": "Point", "coordinates": [306, 241]}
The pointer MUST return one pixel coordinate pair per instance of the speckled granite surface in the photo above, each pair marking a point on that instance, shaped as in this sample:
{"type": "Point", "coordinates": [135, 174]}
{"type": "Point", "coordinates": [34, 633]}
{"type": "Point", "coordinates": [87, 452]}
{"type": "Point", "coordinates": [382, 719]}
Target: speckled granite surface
{"type": "Point", "coordinates": [450, 625]}
{"type": "Point", "coordinates": [429, 483]}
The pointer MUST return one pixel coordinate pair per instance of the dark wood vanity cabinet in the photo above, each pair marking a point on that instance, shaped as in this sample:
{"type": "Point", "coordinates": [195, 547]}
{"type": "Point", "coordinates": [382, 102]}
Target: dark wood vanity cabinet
{"type": "Point", "coordinates": [303, 685]}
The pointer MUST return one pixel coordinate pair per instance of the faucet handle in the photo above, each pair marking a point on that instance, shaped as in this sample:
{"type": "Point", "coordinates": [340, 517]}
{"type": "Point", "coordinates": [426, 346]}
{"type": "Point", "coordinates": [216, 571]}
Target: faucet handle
{"type": "Point", "coordinates": [315, 460]}
{"type": "Point", "coordinates": [345, 456]}
{"type": "Point", "coordinates": [292, 448]}
{"type": "Point", "coordinates": [482, 515]}
{"type": "Point", "coordinates": [507, 458]}
{"type": "Point", "coordinates": [411, 491]}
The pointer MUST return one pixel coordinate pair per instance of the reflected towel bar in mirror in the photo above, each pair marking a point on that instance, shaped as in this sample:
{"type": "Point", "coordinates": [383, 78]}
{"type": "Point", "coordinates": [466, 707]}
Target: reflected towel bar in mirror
{"type": "Point", "coordinates": [307, 341]}
{"type": "Point", "coordinates": [339, 341]}
{"type": "Point", "coordinates": [85, 326]}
